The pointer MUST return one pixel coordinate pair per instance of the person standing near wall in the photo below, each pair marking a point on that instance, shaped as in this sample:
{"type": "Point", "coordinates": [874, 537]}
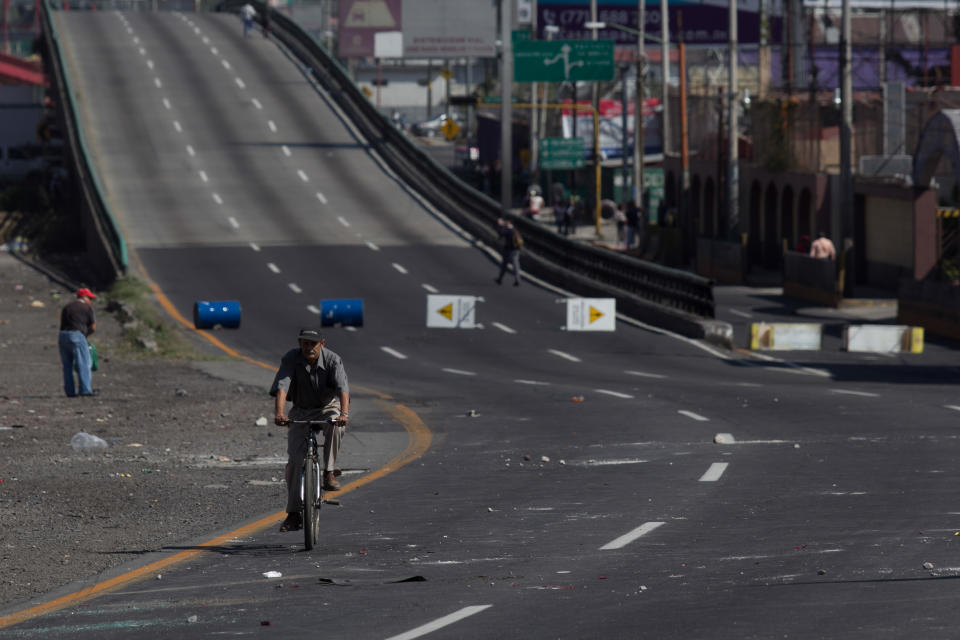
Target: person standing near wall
{"type": "Point", "coordinates": [823, 248]}
{"type": "Point", "coordinates": [77, 321]}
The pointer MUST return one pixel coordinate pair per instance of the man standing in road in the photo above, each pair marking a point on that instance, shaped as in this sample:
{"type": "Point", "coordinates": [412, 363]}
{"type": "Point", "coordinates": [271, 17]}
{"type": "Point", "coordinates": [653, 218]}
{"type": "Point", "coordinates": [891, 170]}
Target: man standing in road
{"type": "Point", "coordinates": [510, 251]}
{"type": "Point", "coordinates": [313, 378]}
{"type": "Point", "coordinates": [247, 12]}
{"type": "Point", "coordinates": [77, 321]}
{"type": "Point", "coordinates": [823, 248]}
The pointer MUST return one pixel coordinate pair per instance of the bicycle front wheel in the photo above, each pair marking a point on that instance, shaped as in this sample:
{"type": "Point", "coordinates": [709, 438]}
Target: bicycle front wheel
{"type": "Point", "coordinates": [311, 503]}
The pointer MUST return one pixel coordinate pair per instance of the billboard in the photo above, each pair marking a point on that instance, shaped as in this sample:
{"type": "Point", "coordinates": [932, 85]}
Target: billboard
{"type": "Point", "coordinates": [360, 20]}
{"type": "Point", "coordinates": [431, 28]}
{"type": "Point", "coordinates": [704, 21]}
{"type": "Point", "coordinates": [449, 29]}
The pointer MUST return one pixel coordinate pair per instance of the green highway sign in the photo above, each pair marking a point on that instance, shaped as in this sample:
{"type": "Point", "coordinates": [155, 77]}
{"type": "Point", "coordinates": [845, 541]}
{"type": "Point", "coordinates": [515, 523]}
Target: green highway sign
{"type": "Point", "coordinates": [496, 100]}
{"type": "Point", "coordinates": [520, 35]}
{"type": "Point", "coordinates": [561, 153]}
{"type": "Point", "coordinates": [563, 61]}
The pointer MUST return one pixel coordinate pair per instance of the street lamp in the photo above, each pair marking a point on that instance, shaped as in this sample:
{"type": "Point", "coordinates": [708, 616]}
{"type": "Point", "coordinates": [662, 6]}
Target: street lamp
{"type": "Point", "coordinates": [638, 108]}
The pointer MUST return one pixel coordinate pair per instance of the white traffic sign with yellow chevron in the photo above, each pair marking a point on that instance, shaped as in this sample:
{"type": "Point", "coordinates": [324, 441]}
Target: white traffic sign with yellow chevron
{"type": "Point", "coordinates": [452, 312]}
{"type": "Point", "coordinates": [591, 314]}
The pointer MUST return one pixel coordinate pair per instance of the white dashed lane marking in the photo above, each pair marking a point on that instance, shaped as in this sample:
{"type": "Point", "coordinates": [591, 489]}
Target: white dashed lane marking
{"type": "Point", "coordinates": [400, 268]}
{"type": "Point", "coordinates": [564, 355]}
{"type": "Point", "coordinates": [373, 246]}
{"type": "Point", "coordinates": [615, 394]}
{"type": "Point", "coordinates": [742, 314]}
{"type": "Point", "coordinates": [157, 82]}
{"type": "Point", "coordinates": [313, 309]}
{"type": "Point", "coordinates": [431, 289]}
{"type": "Point", "coordinates": [503, 327]}
{"type": "Point", "coordinates": [849, 392]}
{"type": "Point", "coordinates": [393, 352]}
{"type": "Point", "coordinates": [203, 175]}
{"type": "Point", "coordinates": [166, 104]}
{"type": "Point", "coordinates": [952, 406]}
{"type": "Point", "coordinates": [255, 246]}
{"type": "Point", "coordinates": [714, 472]}
{"type": "Point", "coordinates": [343, 221]}
{"type": "Point", "coordinates": [440, 623]}
{"type": "Point", "coordinates": [303, 175]}
{"type": "Point", "coordinates": [460, 372]}
{"type": "Point", "coordinates": [190, 151]}
{"type": "Point", "coordinates": [286, 150]}
{"type": "Point", "coordinates": [627, 538]}
{"type": "Point", "coordinates": [293, 287]}
{"type": "Point", "coordinates": [176, 125]}
{"type": "Point", "coordinates": [257, 104]}
{"type": "Point", "coordinates": [273, 267]}
{"type": "Point", "coordinates": [226, 65]}
{"type": "Point", "coordinates": [240, 83]}
{"type": "Point", "coordinates": [273, 127]}
{"type": "Point", "coordinates": [691, 414]}
{"type": "Point", "coordinates": [644, 374]}
{"type": "Point", "coordinates": [537, 383]}
{"type": "Point", "coordinates": [322, 198]}
{"type": "Point", "coordinates": [217, 198]}
{"type": "Point", "coordinates": [233, 222]}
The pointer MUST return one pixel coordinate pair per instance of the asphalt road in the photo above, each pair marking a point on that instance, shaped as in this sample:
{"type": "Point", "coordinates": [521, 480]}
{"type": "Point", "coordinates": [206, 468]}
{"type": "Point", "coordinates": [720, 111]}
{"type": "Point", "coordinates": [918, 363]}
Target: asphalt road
{"type": "Point", "coordinates": [589, 494]}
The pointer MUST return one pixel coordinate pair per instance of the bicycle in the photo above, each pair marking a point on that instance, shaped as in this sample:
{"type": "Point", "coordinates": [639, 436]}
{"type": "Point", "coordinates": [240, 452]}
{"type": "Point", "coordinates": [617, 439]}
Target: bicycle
{"type": "Point", "coordinates": [311, 483]}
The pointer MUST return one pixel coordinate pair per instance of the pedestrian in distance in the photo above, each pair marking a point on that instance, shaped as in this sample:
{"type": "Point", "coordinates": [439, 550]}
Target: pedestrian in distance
{"type": "Point", "coordinates": [511, 244]}
{"type": "Point", "coordinates": [313, 378]}
{"type": "Point", "coordinates": [247, 13]}
{"type": "Point", "coordinates": [823, 248]}
{"type": "Point", "coordinates": [266, 22]}
{"type": "Point", "coordinates": [77, 321]}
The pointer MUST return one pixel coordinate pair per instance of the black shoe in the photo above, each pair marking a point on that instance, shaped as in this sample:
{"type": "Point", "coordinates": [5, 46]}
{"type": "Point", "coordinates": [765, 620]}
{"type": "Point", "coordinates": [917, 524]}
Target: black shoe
{"type": "Point", "coordinates": [497, 280]}
{"type": "Point", "coordinates": [95, 392]}
{"type": "Point", "coordinates": [516, 284]}
{"type": "Point", "coordinates": [293, 523]}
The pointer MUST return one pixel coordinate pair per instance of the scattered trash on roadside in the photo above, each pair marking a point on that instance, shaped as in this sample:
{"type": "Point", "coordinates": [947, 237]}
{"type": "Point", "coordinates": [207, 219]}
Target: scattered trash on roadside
{"type": "Point", "coordinates": [928, 565]}
{"type": "Point", "coordinates": [159, 576]}
{"type": "Point", "coordinates": [272, 574]}
{"type": "Point", "coordinates": [192, 619]}
{"type": "Point", "coordinates": [723, 438]}
{"type": "Point", "coordinates": [261, 422]}
{"type": "Point", "coordinates": [134, 444]}
{"type": "Point", "coordinates": [821, 572]}
{"type": "Point", "coordinates": [576, 399]}
{"type": "Point", "coordinates": [544, 459]}
{"type": "Point", "coordinates": [38, 304]}
{"type": "Point", "coordinates": [84, 440]}
{"type": "Point", "coordinates": [266, 623]}
{"type": "Point", "coordinates": [180, 393]}
{"type": "Point", "coordinates": [526, 457]}
{"type": "Point", "coordinates": [473, 413]}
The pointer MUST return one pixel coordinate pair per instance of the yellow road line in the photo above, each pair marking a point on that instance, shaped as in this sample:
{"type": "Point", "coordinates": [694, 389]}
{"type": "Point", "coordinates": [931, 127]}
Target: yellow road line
{"type": "Point", "coordinates": [420, 438]}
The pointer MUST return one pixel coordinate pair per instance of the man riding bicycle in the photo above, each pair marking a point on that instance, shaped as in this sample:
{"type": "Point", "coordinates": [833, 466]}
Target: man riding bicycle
{"type": "Point", "coordinates": [314, 380]}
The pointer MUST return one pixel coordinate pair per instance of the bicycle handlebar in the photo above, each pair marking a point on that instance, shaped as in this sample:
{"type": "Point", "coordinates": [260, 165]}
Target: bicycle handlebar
{"type": "Point", "coordinates": [315, 423]}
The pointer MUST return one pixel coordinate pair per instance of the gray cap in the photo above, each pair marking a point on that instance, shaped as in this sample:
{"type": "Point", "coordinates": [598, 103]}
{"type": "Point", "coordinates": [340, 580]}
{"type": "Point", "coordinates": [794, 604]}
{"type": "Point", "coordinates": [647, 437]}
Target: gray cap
{"type": "Point", "coordinates": [312, 334]}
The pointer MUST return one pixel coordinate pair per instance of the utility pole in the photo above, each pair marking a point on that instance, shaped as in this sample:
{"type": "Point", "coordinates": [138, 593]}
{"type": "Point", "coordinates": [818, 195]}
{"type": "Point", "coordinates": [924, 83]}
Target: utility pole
{"type": "Point", "coordinates": [535, 112]}
{"type": "Point", "coordinates": [733, 160]}
{"type": "Point", "coordinates": [846, 178]}
{"type": "Point", "coordinates": [506, 108]}
{"type": "Point", "coordinates": [638, 109]}
{"type": "Point", "coordinates": [595, 87]}
{"type": "Point", "coordinates": [665, 74]}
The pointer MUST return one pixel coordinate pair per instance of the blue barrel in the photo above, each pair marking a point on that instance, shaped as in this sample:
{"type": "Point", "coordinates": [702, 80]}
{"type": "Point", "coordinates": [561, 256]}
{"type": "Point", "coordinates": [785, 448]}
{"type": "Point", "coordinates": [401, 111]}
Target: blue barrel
{"type": "Point", "coordinates": [224, 314]}
{"type": "Point", "coordinates": [341, 313]}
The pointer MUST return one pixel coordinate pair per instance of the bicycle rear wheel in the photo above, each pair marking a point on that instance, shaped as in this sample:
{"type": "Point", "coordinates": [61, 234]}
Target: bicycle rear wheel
{"type": "Point", "coordinates": [311, 503]}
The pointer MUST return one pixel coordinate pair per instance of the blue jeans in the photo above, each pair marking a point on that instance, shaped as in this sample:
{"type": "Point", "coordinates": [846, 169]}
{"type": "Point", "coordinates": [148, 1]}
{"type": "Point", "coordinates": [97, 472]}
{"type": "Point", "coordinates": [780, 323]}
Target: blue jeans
{"type": "Point", "coordinates": [75, 354]}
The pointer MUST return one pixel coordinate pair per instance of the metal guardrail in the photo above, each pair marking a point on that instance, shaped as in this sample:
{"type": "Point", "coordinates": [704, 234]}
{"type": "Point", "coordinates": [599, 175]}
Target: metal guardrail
{"type": "Point", "coordinates": [477, 213]}
{"type": "Point", "coordinates": [114, 256]}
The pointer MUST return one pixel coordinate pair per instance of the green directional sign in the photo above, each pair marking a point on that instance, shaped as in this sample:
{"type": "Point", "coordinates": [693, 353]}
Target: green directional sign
{"type": "Point", "coordinates": [563, 61]}
{"type": "Point", "coordinates": [561, 153]}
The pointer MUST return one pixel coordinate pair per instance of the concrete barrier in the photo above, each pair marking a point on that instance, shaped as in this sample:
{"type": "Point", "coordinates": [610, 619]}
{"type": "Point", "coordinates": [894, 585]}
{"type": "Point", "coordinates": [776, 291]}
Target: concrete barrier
{"type": "Point", "coordinates": [785, 336]}
{"type": "Point", "coordinates": [880, 338]}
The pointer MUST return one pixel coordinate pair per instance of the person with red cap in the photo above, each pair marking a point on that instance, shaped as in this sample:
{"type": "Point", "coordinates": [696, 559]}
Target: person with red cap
{"type": "Point", "coordinates": [77, 321]}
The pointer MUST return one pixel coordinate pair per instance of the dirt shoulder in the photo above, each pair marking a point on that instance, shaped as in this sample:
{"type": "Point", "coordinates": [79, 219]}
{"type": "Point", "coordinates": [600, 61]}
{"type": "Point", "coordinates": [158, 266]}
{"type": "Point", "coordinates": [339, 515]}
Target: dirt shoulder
{"type": "Point", "coordinates": [185, 456]}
